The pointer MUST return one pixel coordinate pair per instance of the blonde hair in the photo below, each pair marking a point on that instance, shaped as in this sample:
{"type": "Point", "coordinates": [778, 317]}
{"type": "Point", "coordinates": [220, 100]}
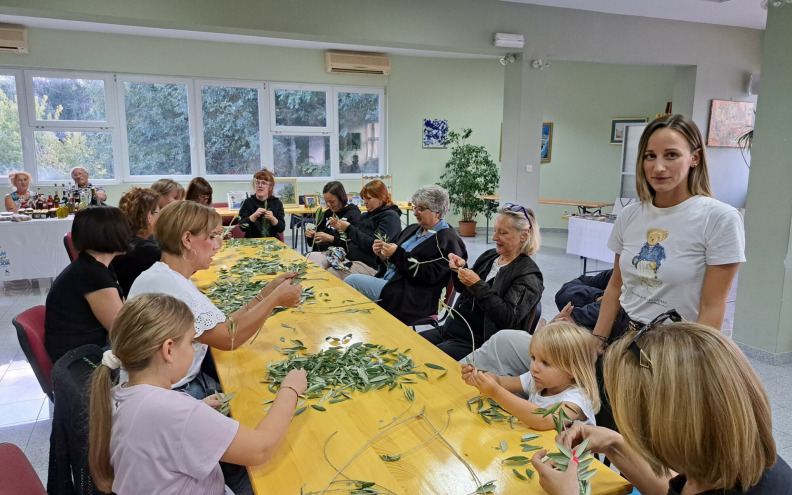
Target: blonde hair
{"type": "Point", "coordinates": [521, 224]}
{"type": "Point", "coordinates": [164, 187]}
{"type": "Point", "coordinates": [183, 216]}
{"type": "Point", "coordinates": [140, 329]}
{"type": "Point", "coordinates": [700, 410]}
{"type": "Point", "coordinates": [698, 176]}
{"type": "Point", "coordinates": [12, 177]}
{"type": "Point", "coordinates": [567, 348]}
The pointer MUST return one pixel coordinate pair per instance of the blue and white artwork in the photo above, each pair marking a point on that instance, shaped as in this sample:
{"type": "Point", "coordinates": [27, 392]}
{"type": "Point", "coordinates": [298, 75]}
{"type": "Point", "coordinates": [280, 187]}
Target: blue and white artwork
{"type": "Point", "coordinates": [435, 132]}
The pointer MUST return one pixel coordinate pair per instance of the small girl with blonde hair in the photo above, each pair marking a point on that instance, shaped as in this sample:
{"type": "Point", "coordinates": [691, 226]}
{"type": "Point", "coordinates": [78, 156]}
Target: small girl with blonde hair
{"type": "Point", "coordinates": [561, 371]}
{"type": "Point", "coordinates": [146, 438]}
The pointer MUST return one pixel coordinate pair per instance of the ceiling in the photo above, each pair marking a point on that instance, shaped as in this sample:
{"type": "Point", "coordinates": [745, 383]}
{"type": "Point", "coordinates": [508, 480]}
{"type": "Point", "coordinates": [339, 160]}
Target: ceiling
{"type": "Point", "coordinates": [742, 13]}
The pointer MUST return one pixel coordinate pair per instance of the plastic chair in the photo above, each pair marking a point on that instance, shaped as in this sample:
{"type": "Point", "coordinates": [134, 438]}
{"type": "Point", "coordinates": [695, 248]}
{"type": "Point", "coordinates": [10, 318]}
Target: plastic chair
{"type": "Point", "coordinates": [30, 332]}
{"type": "Point", "coordinates": [18, 475]}
{"type": "Point", "coordinates": [67, 242]}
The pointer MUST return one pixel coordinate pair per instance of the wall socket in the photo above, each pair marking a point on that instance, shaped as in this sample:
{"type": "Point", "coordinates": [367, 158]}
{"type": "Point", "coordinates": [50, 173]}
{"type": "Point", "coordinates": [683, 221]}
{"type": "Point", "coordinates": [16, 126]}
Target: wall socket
{"type": "Point", "coordinates": [529, 168]}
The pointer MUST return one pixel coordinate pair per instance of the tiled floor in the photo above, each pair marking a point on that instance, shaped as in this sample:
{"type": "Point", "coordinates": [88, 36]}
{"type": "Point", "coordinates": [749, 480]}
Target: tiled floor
{"type": "Point", "coordinates": [25, 411]}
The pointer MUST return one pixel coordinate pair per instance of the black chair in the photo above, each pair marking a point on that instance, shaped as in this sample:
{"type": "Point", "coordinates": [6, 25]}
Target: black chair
{"type": "Point", "coordinates": [297, 224]}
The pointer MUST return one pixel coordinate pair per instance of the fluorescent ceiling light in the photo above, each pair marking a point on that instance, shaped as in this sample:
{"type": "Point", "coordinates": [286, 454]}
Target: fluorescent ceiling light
{"type": "Point", "coordinates": [509, 40]}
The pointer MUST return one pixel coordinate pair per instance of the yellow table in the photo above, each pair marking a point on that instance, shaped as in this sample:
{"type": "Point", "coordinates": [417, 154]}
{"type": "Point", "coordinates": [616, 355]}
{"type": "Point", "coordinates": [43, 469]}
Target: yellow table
{"type": "Point", "coordinates": [431, 469]}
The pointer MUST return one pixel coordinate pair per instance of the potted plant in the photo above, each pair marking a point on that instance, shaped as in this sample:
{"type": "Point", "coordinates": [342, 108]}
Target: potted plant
{"type": "Point", "coordinates": [469, 173]}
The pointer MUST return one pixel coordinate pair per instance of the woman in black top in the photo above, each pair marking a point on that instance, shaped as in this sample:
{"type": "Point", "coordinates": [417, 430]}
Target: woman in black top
{"type": "Point", "coordinates": [262, 215]}
{"type": "Point", "coordinates": [85, 298]}
{"type": "Point", "coordinates": [139, 206]}
{"type": "Point", "coordinates": [325, 235]}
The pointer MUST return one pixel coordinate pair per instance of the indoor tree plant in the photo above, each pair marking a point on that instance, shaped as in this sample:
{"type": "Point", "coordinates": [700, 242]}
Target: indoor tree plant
{"type": "Point", "coordinates": [469, 173]}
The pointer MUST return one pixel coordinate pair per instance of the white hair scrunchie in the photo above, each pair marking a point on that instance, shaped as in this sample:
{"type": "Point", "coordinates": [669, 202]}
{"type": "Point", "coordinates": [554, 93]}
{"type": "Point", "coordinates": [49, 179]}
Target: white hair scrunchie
{"type": "Point", "coordinates": [110, 360]}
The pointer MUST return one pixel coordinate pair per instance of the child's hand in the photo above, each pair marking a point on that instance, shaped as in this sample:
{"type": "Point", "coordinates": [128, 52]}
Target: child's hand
{"type": "Point", "coordinates": [485, 382]}
{"type": "Point", "coordinates": [556, 482]}
{"type": "Point", "coordinates": [297, 380]}
{"type": "Point", "coordinates": [467, 369]}
{"type": "Point", "coordinates": [214, 401]}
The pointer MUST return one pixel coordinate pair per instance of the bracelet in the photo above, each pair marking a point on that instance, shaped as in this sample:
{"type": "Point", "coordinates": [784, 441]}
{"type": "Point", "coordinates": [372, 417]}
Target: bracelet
{"type": "Point", "coordinates": [246, 306]}
{"type": "Point", "coordinates": [604, 339]}
{"type": "Point", "coordinates": [259, 297]}
{"type": "Point", "coordinates": [292, 389]}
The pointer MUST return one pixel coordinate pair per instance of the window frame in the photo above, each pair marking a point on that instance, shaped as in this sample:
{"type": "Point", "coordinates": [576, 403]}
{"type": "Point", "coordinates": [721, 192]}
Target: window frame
{"type": "Point", "coordinates": [301, 130]}
{"type": "Point", "coordinates": [25, 132]}
{"type": "Point", "coordinates": [334, 147]}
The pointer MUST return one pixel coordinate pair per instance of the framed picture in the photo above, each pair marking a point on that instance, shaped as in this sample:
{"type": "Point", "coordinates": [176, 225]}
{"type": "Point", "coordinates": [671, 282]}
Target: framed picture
{"type": "Point", "coordinates": [354, 199]}
{"type": "Point", "coordinates": [617, 128]}
{"type": "Point", "coordinates": [728, 121]}
{"type": "Point", "coordinates": [547, 141]}
{"type": "Point", "coordinates": [235, 199]}
{"type": "Point", "coordinates": [286, 190]}
{"type": "Point", "coordinates": [435, 132]}
{"type": "Point", "coordinates": [310, 201]}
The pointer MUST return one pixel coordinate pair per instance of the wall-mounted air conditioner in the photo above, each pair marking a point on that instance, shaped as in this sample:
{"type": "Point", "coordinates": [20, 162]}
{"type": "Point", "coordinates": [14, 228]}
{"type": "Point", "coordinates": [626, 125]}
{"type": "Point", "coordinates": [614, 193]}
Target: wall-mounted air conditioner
{"type": "Point", "coordinates": [357, 63]}
{"type": "Point", "coordinates": [13, 39]}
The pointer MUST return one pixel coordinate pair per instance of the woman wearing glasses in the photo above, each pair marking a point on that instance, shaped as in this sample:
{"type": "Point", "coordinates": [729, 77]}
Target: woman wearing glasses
{"type": "Point", "coordinates": [200, 191]}
{"type": "Point", "coordinates": [139, 206]}
{"type": "Point", "coordinates": [694, 419]}
{"type": "Point", "coordinates": [262, 215]}
{"type": "Point", "coordinates": [500, 291]}
{"type": "Point", "coordinates": [414, 266]}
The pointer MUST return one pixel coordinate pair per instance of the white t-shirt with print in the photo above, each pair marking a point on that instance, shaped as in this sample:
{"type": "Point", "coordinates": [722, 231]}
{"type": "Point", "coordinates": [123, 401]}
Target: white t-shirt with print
{"type": "Point", "coordinates": [161, 279]}
{"type": "Point", "coordinates": [664, 253]}
{"type": "Point", "coordinates": [572, 395]}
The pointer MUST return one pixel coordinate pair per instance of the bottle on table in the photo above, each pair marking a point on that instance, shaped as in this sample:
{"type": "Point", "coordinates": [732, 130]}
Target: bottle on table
{"type": "Point", "coordinates": [56, 198]}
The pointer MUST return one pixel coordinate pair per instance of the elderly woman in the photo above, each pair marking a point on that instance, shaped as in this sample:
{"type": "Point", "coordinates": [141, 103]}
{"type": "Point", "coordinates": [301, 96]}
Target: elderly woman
{"type": "Point", "coordinates": [693, 417]}
{"type": "Point", "coordinates": [326, 235]}
{"type": "Point", "coordinates": [381, 219]}
{"type": "Point", "coordinates": [85, 298]}
{"type": "Point", "coordinates": [20, 196]}
{"type": "Point", "coordinates": [407, 291]}
{"type": "Point", "coordinates": [189, 235]}
{"type": "Point", "coordinates": [200, 191]}
{"type": "Point", "coordinates": [262, 215]}
{"type": "Point", "coordinates": [500, 291]}
{"type": "Point", "coordinates": [169, 191]}
{"type": "Point", "coordinates": [141, 211]}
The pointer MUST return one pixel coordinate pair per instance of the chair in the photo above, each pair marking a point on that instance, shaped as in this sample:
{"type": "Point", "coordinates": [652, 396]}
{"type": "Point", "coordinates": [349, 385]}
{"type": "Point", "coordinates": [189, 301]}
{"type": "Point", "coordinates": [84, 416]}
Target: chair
{"type": "Point", "coordinates": [436, 320]}
{"type": "Point", "coordinates": [298, 223]}
{"type": "Point", "coordinates": [238, 233]}
{"type": "Point", "coordinates": [18, 475]}
{"type": "Point", "coordinates": [30, 332]}
{"type": "Point", "coordinates": [535, 315]}
{"type": "Point", "coordinates": [67, 242]}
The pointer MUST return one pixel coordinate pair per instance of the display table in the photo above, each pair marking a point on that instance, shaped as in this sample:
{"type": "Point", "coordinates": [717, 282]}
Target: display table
{"type": "Point", "coordinates": [300, 462]}
{"type": "Point", "coordinates": [588, 238]}
{"type": "Point", "coordinates": [33, 249]}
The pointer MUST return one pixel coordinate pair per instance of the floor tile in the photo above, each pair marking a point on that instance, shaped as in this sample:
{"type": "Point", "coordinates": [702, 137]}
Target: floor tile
{"type": "Point", "coordinates": [20, 412]}
{"type": "Point", "coordinates": [20, 385]}
{"type": "Point", "coordinates": [18, 434]}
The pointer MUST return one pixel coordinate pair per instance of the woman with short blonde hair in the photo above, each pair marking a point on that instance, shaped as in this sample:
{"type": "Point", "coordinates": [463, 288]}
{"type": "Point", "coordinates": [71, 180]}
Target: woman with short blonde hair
{"type": "Point", "coordinates": [169, 191]}
{"type": "Point", "coordinates": [20, 195]}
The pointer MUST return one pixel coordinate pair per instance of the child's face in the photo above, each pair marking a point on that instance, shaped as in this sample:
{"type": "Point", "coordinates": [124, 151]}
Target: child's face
{"type": "Point", "coordinates": [546, 375]}
{"type": "Point", "coordinates": [183, 353]}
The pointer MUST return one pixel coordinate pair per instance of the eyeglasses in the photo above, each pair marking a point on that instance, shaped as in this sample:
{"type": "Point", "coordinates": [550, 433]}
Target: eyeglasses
{"type": "Point", "coordinates": [419, 209]}
{"type": "Point", "coordinates": [643, 359]}
{"type": "Point", "coordinates": [518, 209]}
{"type": "Point", "coordinates": [155, 212]}
{"type": "Point", "coordinates": [260, 183]}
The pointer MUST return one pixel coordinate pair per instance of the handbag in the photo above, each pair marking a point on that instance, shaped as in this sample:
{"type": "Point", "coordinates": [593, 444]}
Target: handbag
{"type": "Point", "coordinates": [336, 256]}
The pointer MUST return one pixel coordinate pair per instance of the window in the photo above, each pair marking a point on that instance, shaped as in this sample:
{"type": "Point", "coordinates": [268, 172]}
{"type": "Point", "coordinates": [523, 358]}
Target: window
{"type": "Point", "coordinates": [157, 128]}
{"type": "Point", "coordinates": [358, 132]}
{"type": "Point", "coordinates": [231, 131]}
{"type": "Point", "coordinates": [300, 108]}
{"type": "Point", "coordinates": [301, 156]}
{"type": "Point", "coordinates": [301, 131]}
{"type": "Point", "coordinates": [10, 132]}
{"type": "Point", "coordinates": [69, 99]}
{"type": "Point", "coordinates": [58, 152]}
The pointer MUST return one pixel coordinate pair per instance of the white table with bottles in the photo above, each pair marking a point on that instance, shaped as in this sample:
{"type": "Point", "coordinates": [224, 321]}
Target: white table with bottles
{"type": "Point", "coordinates": [34, 248]}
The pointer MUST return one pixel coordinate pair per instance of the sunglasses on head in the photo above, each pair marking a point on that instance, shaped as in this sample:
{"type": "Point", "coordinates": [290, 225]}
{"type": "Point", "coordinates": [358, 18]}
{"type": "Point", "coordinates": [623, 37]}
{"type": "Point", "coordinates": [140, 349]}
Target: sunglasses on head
{"type": "Point", "coordinates": [643, 359]}
{"type": "Point", "coordinates": [518, 209]}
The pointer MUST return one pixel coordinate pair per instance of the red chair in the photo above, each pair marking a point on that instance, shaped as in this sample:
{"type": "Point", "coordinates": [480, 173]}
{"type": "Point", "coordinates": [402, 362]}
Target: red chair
{"type": "Point", "coordinates": [67, 242]}
{"type": "Point", "coordinates": [238, 233]}
{"type": "Point", "coordinates": [30, 332]}
{"type": "Point", "coordinates": [18, 475]}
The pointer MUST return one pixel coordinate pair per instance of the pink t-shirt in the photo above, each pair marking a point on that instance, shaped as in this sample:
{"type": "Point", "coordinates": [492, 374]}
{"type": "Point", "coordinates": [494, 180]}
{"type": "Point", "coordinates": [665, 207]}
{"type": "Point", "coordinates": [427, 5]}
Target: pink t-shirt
{"type": "Point", "coordinates": [167, 442]}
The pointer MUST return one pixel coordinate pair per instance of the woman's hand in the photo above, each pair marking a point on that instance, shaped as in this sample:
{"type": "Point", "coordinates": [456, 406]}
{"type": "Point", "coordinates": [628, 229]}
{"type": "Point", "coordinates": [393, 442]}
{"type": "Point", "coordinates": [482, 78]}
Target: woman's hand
{"type": "Point", "coordinates": [388, 249]}
{"type": "Point", "coordinates": [297, 380]}
{"type": "Point", "coordinates": [287, 295]}
{"type": "Point", "coordinates": [377, 248]}
{"type": "Point", "coordinates": [309, 233]}
{"type": "Point", "coordinates": [268, 215]}
{"type": "Point", "coordinates": [323, 237]}
{"type": "Point", "coordinates": [553, 481]}
{"type": "Point", "coordinates": [338, 224]}
{"type": "Point", "coordinates": [601, 440]}
{"type": "Point", "coordinates": [455, 262]}
{"type": "Point", "coordinates": [468, 276]}
{"type": "Point", "coordinates": [257, 214]}
{"type": "Point", "coordinates": [486, 383]}
{"type": "Point", "coordinates": [283, 277]}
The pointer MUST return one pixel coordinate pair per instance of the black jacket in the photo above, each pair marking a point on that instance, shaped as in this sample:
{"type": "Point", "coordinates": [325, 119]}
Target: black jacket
{"type": "Point", "coordinates": [410, 296]}
{"type": "Point", "coordinates": [583, 293]}
{"type": "Point", "coordinates": [254, 229]}
{"type": "Point", "coordinates": [506, 302]}
{"type": "Point", "coordinates": [384, 220]}
{"type": "Point", "coordinates": [349, 213]}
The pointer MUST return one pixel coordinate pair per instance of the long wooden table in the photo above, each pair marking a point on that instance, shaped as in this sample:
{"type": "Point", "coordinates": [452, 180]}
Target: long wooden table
{"type": "Point", "coordinates": [300, 464]}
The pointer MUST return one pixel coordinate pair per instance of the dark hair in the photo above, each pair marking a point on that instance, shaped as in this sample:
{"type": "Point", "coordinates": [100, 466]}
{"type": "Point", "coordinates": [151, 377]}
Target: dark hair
{"type": "Point", "coordinates": [336, 189]}
{"type": "Point", "coordinates": [103, 229]}
{"type": "Point", "coordinates": [196, 188]}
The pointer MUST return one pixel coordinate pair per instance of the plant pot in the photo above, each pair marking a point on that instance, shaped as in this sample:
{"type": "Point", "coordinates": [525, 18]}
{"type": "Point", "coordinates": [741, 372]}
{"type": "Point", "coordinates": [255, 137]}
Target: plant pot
{"type": "Point", "coordinates": [467, 229]}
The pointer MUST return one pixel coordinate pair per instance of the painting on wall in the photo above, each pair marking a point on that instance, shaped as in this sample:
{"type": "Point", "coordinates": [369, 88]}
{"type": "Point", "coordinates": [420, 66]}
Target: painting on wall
{"type": "Point", "coordinates": [728, 121]}
{"type": "Point", "coordinates": [236, 198]}
{"type": "Point", "coordinates": [286, 191]}
{"type": "Point", "coordinates": [617, 127]}
{"type": "Point", "coordinates": [435, 132]}
{"type": "Point", "coordinates": [547, 141]}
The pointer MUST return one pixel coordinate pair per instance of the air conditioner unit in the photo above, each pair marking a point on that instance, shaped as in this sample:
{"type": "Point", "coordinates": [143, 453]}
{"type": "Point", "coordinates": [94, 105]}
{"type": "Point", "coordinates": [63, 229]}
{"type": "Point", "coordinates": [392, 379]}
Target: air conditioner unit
{"type": "Point", "coordinates": [13, 39]}
{"type": "Point", "coordinates": [357, 63]}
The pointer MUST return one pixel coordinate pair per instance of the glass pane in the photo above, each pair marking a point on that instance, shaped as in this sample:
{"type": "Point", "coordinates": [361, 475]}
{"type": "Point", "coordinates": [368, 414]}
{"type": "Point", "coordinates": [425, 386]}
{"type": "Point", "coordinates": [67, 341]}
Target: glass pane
{"type": "Point", "coordinates": [10, 137]}
{"type": "Point", "coordinates": [358, 133]}
{"type": "Point", "coordinates": [58, 152]}
{"type": "Point", "coordinates": [158, 128]}
{"type": "Point", "coordinates": [302, 156]}
{"type": "Point", "coordinates": [69, 99]}
{"type": "Point", "coordinates": [295, 108]}
{"type": "Point", "coordinates": [231, 130]}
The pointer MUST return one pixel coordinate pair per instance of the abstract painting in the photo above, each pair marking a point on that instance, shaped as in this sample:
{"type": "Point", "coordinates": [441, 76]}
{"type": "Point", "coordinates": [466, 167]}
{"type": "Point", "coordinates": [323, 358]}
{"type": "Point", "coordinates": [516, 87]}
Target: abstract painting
{"type": "Point", "coordinates": [435, 132]}
{"type": "Point", "coordinates": [547, 141]}
{"type": "Point", "coordinates": [728, 121]}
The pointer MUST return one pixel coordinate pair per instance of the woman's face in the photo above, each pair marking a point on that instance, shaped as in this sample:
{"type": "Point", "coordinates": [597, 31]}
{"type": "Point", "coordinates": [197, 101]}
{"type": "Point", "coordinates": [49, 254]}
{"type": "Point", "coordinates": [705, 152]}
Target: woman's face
{"type": "Point", "coordinates": [262, 188]}
{"type": "Point", "coordinates": [425, 217]}
{"type": "Point", "coordinates": [666, 163]}
{"type": "Point", "coordinates": [506, 238]}
{"type": "Point", "coordinates": [372, 203]}
{"type": "Point", "coordinates": [21, 182]}
{"type": "Point", "coordinates": [332, 202]}
{"type": "Point", "coordinates": [204, 199]}
{"type": "Point", "coordinates": [206, 246]}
